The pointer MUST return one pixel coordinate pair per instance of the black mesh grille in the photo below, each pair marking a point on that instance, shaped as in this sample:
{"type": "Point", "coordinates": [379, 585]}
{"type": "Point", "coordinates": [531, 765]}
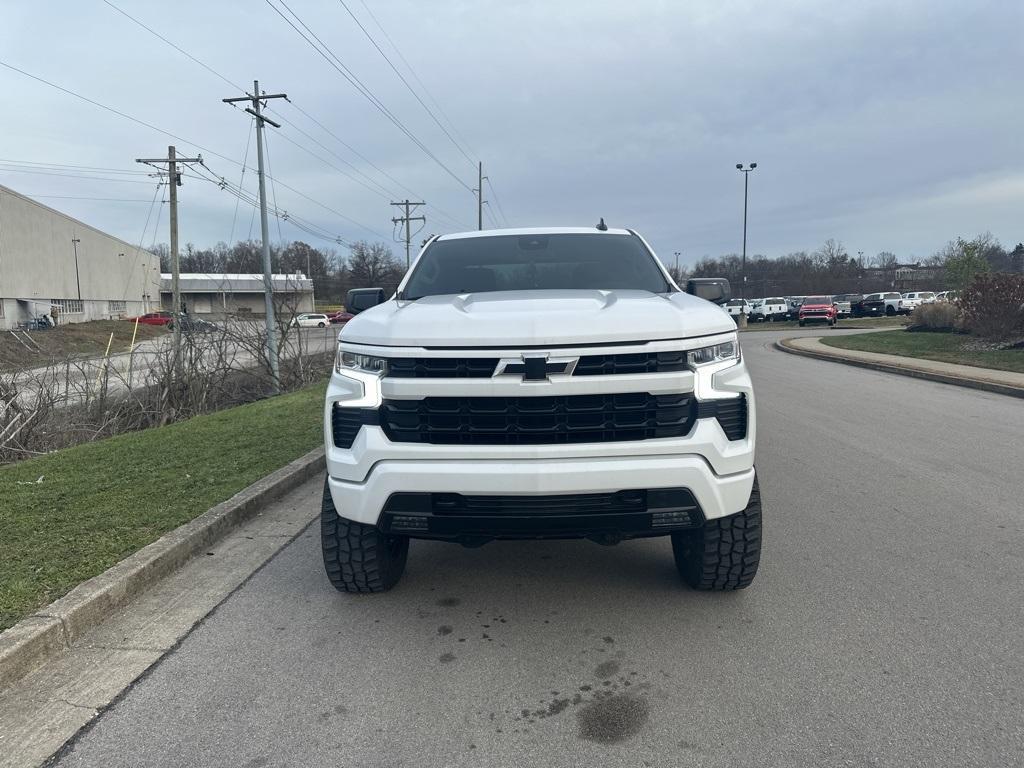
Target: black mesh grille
{"type": "Point", "coordinates": [442, 367]}
{"type": "Point", "coordinates": [538, 420]}
{"type": "Point", "coordinates": [731, 414]}
{"type": "Point", "coordinates": [644, 362]}
{"type": "Point", "coordinates": [483, 367]}
{"type": "Point", "coordinates": [346, 422]}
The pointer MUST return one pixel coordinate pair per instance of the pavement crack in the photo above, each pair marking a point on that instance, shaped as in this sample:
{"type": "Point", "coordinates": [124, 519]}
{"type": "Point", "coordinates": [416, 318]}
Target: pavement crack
{"type": "Point", "coordinates": [79, 706]}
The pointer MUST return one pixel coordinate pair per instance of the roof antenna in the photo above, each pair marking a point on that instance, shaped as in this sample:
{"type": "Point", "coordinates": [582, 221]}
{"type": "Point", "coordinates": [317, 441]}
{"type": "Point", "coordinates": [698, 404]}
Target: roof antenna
{"type": "Point", "coordinates": [601, 226]}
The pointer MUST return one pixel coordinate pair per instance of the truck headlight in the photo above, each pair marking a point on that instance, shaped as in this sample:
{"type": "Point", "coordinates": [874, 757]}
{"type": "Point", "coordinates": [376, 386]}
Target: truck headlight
{"type": "Point", "coordinates": [716, 353]}
{"type": "Point", "coordinates": [354, 361]}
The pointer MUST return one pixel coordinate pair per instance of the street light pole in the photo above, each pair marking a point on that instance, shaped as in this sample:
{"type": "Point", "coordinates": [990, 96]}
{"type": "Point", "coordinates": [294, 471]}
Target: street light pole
{"type": "Point", "coordinates": [78, 281]}
{"type": "Point", "coordinates": [746, 186]}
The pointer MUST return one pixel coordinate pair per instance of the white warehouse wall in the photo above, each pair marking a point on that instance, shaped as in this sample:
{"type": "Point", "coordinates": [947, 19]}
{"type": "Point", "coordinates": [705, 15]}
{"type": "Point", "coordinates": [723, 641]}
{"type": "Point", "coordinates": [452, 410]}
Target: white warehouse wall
{"type": "Point", "coordinates": [37, 264]}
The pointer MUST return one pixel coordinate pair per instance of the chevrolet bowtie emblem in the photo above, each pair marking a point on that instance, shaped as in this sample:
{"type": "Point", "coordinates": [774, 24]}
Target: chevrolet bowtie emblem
{"type": "Point", "coordinates": [536, 367]}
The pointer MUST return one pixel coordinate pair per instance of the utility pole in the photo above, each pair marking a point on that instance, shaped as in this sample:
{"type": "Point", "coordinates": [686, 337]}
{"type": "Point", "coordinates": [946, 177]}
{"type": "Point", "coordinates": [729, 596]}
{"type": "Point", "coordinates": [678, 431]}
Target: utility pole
{"type": "Point", "coordinates": [74, 244]}
{"type": "Point", "coordinates": [480, 195]}
{"type": "Point", "coordinates": [746, 184]}
{"type": "Point", "coordinates": [257, 99]}
{"type": "Point", "coordinates": [174, 181]}
{"type": "Point", "coordinates": [407, 219]}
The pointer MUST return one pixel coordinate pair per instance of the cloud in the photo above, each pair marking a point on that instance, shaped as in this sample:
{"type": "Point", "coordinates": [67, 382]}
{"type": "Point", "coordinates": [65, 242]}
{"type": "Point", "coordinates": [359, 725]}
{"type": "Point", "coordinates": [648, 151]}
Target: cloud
{"type": "Point", "coordinates": [883, 125]}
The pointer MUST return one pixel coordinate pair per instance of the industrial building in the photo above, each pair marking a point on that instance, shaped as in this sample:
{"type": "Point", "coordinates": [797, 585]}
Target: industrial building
{"type": "Point", "coordinates": [49, 259]}
{"type": "Point", "coordinates": [222, 295]}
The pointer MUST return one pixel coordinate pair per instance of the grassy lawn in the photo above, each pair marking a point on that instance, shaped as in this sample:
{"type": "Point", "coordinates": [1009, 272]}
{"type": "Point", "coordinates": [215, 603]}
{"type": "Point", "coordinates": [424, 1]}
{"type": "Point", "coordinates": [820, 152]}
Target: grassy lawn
{"type": "Point", "coordinates": [847, 322]}
{"type": "Point", "coordinates": [73, 340]}
{"type": "Point", "coordinates": [97, 503]}
{"type": "Point", "coordinates": [945, 347]}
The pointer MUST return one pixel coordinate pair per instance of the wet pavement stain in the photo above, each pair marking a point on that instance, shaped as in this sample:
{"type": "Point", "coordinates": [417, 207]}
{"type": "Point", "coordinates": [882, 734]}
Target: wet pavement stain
{"type": "Point", "coordinates": [612, 719]}
{"type": "Point", "coordinates": [444, 629]}
{"type": "Point", "coordinates": [449, 602]}
{"type": "Point", "coordinates": [606, 670]}
{"type": "Point", "coordinates": [446, 658]}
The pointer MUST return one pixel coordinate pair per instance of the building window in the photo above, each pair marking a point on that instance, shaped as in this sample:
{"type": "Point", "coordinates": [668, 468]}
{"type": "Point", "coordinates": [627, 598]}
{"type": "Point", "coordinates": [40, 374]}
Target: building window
{"type": "Point", "coordinates": [113, 307]}
{"type": "Point", "coordinates": [69, 306]}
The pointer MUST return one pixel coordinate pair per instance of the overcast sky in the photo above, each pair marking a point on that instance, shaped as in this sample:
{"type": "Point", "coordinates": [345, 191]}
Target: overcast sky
{"type": "Point", "coordinates": [886, 125]}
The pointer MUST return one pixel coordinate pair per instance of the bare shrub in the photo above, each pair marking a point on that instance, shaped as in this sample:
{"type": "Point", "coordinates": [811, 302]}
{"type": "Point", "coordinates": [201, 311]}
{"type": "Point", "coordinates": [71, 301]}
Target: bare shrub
{"type": "Point", "coordinates": [993, 306]}
{"type": "Point", "coordinates": [75, 401]}
{"type": "Point", "coordinates": [942, 317]}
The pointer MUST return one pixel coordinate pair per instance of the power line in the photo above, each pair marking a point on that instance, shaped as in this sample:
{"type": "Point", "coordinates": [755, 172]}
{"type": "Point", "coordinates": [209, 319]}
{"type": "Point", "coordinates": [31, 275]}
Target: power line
{"type": "Point", "coordinates": [138, 248]}
{"type": "Point", "coordinates": [116, 112]}
{"type": "Point", "coordinates": [331, 58]}
{"type": "Point", "coordinates": [183, 52]}
{"type": "Point", "coordinates": [46, 172]}
{"type": "Point", "coordinates": [387, 193]}
{"type": "Point", "coordinates": [64, 166]}
{"type": "Point", "coordinates": [406, 84]}
{"type": "Point", "coordinates": [249, 199]}
{"type": "Point", "coordinates": [494, 194]}
{"type": "Point", "coordinates": [75, 197]}
{"type": "Point", "coordinates": [273, 191]}
{"type": "Point", "coordinates": [178, 138]}
{"type": "Point", "coordinates": [215, 73]}
{"type": "Point", "coordinates": [412, 71]}
{"type": "Point", "coordinates": [439, 211]}
{"type": "Point", "coordinates": [245, 159]}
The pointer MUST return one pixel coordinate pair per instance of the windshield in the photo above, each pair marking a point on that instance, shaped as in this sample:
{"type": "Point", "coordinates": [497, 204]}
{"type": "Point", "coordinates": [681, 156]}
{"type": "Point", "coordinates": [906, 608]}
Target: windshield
{"type": "Point", "coordinates": [535, 262]}
{"type": "Point", "coordinates": [817, 300]}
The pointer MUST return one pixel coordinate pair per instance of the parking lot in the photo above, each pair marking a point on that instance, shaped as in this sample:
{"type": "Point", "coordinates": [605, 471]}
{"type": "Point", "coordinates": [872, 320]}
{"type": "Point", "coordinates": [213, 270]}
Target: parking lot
{"type": "Point", "coordinates": [883, 629]}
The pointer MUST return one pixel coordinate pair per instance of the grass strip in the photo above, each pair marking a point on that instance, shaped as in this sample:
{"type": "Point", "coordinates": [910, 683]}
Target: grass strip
{"type": "Point", "coordinates": [98, 503]}
{"type": "Point", "coordinates": [943, 347]}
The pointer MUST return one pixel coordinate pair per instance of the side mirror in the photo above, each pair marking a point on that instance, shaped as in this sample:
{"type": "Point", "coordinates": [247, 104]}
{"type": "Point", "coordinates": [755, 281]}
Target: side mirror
{"type": "Point", "coordinates": [360, 299]}
{"type": "Point", "coordinates": [713, 289]}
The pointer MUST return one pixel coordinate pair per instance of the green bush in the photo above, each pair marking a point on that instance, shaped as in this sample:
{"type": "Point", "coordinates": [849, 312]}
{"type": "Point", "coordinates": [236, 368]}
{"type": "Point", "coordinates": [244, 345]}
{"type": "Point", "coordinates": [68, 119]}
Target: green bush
{"type": "Point", "coordinates": [936, 317]}
{"type": "Point", "coordinates": [993, 306]}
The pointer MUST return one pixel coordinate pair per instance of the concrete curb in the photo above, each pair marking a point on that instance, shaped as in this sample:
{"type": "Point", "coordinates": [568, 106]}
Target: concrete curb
{"type": "Point", "coordinates": [51, 630]}
{"type": "Point", "coordinates": [942, 378]}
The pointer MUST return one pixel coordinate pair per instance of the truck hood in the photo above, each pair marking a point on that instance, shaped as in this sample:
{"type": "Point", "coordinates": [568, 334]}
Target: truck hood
{"type": "Point", "coordinates": [536, 318]}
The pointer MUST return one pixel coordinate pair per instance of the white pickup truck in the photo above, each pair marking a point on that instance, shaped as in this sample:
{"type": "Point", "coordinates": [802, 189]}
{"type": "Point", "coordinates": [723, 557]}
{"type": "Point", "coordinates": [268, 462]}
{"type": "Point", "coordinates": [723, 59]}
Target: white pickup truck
{"type": "Point", "coordinates": [540, 383]}
{"type": "Point", "coordinates": [772, 308]}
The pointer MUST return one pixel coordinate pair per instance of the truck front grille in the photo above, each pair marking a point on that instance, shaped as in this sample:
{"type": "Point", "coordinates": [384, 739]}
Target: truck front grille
{"type": "Point", "coordinates": [484, 367]}
{"type": "Point", "coordinates": [538, 420]}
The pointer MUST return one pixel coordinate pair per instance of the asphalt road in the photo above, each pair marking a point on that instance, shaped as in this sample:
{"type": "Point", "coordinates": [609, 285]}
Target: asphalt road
{"type": "Point", "coordinates": [885, 627]}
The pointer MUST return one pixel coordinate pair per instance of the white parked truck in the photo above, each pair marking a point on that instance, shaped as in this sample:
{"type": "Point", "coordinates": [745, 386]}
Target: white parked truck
{"type": "Point", "coordinates": [540, 383]}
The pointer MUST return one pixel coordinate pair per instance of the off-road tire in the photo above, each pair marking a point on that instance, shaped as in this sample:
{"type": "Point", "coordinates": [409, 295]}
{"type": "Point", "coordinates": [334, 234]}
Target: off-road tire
{"type": "Point", "coordinates": [358, 557]}
{"type": "Point", "coordinates": [722, 555]}
{"type": "Point", "coordinates": [889, 311]}
{"type": "Point", "coordinates": [801, 323]}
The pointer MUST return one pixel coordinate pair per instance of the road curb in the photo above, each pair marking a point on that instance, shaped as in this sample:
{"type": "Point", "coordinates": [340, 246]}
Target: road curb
{"type": "Point", "coordinates": [56, 627]}
{"type": "Point", "coordinates": [942, 378]}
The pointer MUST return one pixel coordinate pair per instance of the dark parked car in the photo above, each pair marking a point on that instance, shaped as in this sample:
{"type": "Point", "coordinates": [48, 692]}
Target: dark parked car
{"type": "Point", "coordinates": [878, 304]}
{"type": "Point", "coordinates": [845, 301]}
{"type": "Point", "coordinates": [191, 324]}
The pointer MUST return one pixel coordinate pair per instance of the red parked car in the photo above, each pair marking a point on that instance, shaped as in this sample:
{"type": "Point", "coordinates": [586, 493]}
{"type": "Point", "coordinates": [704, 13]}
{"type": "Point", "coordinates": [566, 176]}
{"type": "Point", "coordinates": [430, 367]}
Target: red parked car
{"type": "Point", "coordinates": [340, 317]}
{"type": "Point", "coordinates": [152, 318]}
{"type": "Point", "coordinates": [818, 309]}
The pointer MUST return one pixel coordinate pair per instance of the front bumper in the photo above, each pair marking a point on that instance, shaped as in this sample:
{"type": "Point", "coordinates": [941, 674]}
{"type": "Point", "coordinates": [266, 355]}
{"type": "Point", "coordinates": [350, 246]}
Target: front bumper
{"type": "Point", "coordinates": [815, 319]}
{"type": "Point", "coordinates": [374, 474]}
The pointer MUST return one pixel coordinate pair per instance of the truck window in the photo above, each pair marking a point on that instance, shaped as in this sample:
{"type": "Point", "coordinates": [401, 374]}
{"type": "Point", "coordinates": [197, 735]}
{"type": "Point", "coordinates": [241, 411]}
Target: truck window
{"type": "Point", "coordinates": [535, 262]}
